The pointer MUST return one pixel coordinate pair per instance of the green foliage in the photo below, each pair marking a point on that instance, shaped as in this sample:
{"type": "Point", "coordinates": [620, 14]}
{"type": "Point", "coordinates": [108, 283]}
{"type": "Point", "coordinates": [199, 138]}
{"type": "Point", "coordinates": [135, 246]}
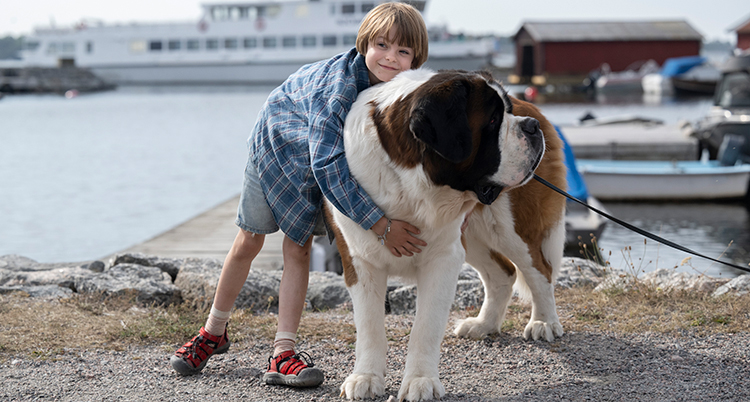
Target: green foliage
{"type": "Point", "coordinates": [10, 47]}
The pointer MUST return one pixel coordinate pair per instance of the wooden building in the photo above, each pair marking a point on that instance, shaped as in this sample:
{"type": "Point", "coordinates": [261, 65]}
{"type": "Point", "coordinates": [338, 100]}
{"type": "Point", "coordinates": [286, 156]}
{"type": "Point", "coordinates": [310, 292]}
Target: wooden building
{"type": "Point", "coordinates": [556, 51]}
{"type": "Point", "coordinates": [743, 34]}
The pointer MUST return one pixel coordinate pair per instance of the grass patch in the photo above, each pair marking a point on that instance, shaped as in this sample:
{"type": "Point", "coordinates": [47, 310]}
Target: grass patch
{"type": "Point", "coordinates": [46, 329]}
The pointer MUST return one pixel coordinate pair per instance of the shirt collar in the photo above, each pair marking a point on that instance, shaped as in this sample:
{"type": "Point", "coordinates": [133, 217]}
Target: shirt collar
{"type": "Point", "coordinates": [360, 68]}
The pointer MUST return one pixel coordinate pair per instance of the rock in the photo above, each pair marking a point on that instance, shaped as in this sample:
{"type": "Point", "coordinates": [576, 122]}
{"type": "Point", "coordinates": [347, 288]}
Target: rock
{"type": "Point", "coordinates": [403, 300]}
{"type": "Point", "coordinates": [169, 265]}
{"type": "Point", "coordinates": [45, 292]}
{"type": "Point", "coordinates": [150, 284]}
{"type": "Point", "coordinates": [664, 279]}
{"type": "Point", "coordinates": [43, 280]}
{"type": "Point", "coordinates": [198, 278]}
{"type": "Point", "coordinates": [738, 286]}
{"type": "Point", "coordinates": [97, 266]}
{"type": "Point", "coordinates": [579, 271]}
{"type": "Point", "coordinates": [167, 280]}
{"type": "Point", "coordinates": [327, 290]}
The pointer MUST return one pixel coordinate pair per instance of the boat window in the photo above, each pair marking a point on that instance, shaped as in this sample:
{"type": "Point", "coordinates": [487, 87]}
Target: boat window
{"type": "Point", "coordinates": [269, 42]}
{"type": "Point", "coordinates": [273, 10]}
{"type": "Point", "coordinates": [230, 43]}
{"type": "Point", "coordinates": [350, 40]}
{"type": "Point", "coordinates": [212, 44]}
{"type": "Point", "coordinates": [289, 41]}
{"type": "Point", "coordinates": [735, 90]}
{"type": "Point", "coordinates": [52, 48]}
{"type": "Point", "coordinates": [193, 44]}
{"type": "Point", "coordinates": [68, 47]}
{"type": "Point", "coordinates": [366, 7]}
{"type": "Point", "coordinates": [329, 40]}
{"type": "Point", "coordinates": [154, 46]}
{"type": "Point", "coordinates": [234, 13]}
{"type": "Point", "coordinates": [309, 41]}
{"type": "Point", "coordinates": [137, 46]}
{"type": "Point", "coordinates": [10, 72]}
{"type": "Point", "coordinates": [250, 43]}
{"type": "Point", "coordinates": [89, 47]}
{"type": "Point", "coordinates": [347, 8]}
{"type": "Point", "coordinates": [31, 46]}
{"type": "Point", "coordinates": [174, 44]}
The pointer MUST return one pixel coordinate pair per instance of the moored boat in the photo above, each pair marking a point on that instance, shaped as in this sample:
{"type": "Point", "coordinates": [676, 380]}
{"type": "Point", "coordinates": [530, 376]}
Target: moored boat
{"type": "Point", "coordinates": [581, 224]}
{"type": "Point", "coordinates": [617, 180]}
{"type": "Point", "coordinates": [730, 113]}
{"type": "Point", "coordinates": [683, 75]}
{"type": "Point", "coordinates": [251, 42]}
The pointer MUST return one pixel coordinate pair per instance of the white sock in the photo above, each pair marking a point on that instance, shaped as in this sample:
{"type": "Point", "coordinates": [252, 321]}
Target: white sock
{"type": "Point", "coordinates": [284, 341]}
{"type": "Point", "coordinates": [217, 321]}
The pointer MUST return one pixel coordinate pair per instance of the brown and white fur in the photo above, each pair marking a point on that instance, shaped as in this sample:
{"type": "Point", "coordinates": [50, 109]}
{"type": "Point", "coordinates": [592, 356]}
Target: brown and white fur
{"type": "Point", "coordinates": [428, 148]}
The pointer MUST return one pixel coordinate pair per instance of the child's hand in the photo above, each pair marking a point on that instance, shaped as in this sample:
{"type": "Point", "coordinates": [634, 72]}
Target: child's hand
{"type": "Point", "coordinates": [401, 239]}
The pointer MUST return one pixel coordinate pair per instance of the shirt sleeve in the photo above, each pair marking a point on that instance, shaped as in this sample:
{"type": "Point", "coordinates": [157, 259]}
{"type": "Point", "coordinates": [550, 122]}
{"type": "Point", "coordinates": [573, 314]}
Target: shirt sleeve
{"type": "Point", "coordinates": [330, 167]}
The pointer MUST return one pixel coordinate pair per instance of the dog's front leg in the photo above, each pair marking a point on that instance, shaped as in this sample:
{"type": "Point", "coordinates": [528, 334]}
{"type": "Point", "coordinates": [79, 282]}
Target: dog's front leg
{"type": "Point", "coordinates": [368, 298]}
{"type": "Point", "coordinates": [436, 289]}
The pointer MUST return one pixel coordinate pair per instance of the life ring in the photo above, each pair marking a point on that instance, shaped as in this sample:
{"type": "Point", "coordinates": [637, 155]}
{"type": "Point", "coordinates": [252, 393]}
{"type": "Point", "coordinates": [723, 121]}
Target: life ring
{"type": "Point", "coordinates": [202, 26]}
{"type": "Point", "coordinates": [260, 24]}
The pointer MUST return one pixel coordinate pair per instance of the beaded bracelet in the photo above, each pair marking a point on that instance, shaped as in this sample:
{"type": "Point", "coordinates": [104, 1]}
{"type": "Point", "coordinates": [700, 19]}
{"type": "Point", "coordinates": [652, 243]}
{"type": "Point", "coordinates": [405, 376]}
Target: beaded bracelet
{"type": "Point", "coordinates": [382, 237]}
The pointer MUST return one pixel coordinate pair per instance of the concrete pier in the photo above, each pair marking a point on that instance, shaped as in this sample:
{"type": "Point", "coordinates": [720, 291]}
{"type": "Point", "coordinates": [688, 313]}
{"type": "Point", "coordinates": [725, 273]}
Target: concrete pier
{"type": "Point", "coordinates": [209, 235]}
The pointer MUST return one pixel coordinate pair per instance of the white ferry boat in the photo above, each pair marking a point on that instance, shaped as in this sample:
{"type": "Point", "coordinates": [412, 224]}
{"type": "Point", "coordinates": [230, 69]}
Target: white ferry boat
{"type": "Point", "coordinates": [251, 42]}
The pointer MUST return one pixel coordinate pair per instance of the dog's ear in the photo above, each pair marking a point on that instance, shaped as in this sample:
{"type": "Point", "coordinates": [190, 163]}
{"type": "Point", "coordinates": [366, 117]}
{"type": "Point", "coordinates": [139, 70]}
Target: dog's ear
{"type": "Point", "coordinates": [439, 120]}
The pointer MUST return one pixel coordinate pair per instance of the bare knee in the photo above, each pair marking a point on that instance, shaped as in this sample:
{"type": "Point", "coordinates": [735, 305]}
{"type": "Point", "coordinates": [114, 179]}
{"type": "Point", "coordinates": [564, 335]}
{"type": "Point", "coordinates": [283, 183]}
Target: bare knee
{"type": "Point", "coordinates": [247, 245]}
{"type": "Point", "coordinates": [295, 252]}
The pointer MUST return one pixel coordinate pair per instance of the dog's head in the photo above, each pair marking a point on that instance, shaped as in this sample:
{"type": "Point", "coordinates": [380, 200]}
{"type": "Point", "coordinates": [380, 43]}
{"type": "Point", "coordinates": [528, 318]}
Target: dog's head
{"type": "Point", "coordinates": [463, 132]}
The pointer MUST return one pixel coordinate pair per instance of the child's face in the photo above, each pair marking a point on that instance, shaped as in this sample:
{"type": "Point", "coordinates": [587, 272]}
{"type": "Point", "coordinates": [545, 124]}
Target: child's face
{"type": "Point", "coordinates": [385, 59]}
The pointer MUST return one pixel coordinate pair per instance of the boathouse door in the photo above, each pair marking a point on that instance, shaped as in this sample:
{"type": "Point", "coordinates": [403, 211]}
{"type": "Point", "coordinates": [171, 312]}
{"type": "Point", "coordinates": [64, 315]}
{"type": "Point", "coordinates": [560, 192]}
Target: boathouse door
{"type": "Point", "coordinates": [527, 61]}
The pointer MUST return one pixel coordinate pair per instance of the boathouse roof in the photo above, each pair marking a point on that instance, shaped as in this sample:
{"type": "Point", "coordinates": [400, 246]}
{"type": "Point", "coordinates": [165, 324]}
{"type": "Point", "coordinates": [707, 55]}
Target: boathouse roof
{"type": "Point", "coordinates": [608, 31]}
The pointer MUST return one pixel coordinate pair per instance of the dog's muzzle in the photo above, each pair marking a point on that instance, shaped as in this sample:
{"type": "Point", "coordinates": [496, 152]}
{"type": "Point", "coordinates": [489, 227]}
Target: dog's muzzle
{"type": "Point", "coordinates": [487, 192]}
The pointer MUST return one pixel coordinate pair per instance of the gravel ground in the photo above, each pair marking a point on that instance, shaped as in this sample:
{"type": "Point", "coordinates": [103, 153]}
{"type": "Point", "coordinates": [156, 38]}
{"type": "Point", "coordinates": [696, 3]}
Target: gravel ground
{"type": "Point", "coordinates": [596, 366]}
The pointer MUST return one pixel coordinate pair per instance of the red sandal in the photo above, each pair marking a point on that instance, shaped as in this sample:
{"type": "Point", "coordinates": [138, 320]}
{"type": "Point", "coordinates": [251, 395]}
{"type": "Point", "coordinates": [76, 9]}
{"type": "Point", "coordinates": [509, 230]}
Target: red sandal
{"type": "Point", "coordinates": [288, 369]}
{"type": "Point", "coordinates": [193, 356]}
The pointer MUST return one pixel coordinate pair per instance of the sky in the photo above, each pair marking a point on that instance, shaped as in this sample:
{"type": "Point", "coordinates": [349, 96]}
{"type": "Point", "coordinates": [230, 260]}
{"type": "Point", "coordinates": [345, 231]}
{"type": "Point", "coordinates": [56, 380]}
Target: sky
{"type": "Point", "coordinates": [713, 19]}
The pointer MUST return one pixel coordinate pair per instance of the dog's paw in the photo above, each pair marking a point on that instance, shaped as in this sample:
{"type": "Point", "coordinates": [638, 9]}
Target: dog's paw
{"type": "Point", "coordinates": [361, 386]}
{"type": "Point", "coordinates": [474, 328]}
{"type": "Point", "coordinates": [420, 389]}
{"type": "Point", "coordinates": [543, 330]}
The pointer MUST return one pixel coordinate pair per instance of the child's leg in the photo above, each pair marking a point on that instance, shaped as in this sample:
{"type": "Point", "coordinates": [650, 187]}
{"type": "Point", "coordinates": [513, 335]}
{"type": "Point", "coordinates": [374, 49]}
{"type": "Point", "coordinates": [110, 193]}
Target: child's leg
{"type": "Point", "coordinates": [212, 338]}
{"type": "Point", "coordinates": [245, 248]}
{"type": "Point", "coordinates": [286, 367]}
{"type": "Point", "coordinates": [292, 292]}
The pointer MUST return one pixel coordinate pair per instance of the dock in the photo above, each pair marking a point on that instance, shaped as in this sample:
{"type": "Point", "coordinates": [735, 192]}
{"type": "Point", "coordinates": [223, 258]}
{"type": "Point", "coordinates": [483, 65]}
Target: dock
{"type": "Point", "coordinates": [49, 79]}
{"type": "Point", "coordinates": [210, 234]}
{"type": "Point", "coordinates": [631, 141]}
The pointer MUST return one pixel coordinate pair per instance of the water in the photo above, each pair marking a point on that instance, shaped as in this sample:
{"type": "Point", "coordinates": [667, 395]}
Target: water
{"type": "Point", "coordinates": [83, 178]}
{"type": "Point", "coordinates": [718, 230]}
{"type": "Point", "coordinates": [86, 177]}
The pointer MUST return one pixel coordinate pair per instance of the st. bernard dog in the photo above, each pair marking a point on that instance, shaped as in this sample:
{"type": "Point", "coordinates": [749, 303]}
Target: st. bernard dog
{"type": "Point", "coordinates": [428, 148]}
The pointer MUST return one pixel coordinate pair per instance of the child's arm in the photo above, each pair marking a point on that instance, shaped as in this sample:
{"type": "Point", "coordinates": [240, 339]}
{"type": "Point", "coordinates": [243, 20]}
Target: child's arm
{"type": "Point", "coordinates": [331, 171]}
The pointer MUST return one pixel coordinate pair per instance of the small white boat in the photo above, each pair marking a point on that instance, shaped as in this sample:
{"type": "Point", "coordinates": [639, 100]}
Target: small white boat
{"type": "Point", "coordinates": [626, 80]}
{"type": "Point", "coordinates": [664, 180]}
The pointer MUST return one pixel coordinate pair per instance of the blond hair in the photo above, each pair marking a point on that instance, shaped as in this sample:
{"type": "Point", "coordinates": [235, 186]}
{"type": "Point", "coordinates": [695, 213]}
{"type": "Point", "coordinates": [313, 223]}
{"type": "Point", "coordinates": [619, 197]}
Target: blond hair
{"type": "Point", "coordinates": [410, 29]}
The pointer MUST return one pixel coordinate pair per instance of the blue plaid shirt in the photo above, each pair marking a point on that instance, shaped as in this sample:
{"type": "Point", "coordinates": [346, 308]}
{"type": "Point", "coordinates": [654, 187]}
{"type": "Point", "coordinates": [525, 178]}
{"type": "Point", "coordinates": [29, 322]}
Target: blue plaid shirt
{"type": "Point", "coordinates": [298, 146]}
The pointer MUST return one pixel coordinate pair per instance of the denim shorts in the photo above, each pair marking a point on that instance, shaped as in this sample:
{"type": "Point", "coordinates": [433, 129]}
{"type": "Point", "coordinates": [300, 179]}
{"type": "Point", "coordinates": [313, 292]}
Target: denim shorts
{"type": "Point", "coordinates": [254, 215]}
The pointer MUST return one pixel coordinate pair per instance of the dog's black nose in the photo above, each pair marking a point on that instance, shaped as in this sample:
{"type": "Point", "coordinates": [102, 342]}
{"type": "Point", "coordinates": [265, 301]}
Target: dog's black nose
{"type": "Point", "coordinates": [530, 126]}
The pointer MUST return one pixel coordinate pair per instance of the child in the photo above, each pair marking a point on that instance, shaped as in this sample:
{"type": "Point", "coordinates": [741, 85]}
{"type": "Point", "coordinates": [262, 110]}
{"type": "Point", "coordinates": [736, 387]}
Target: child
{"type": "Point", "coordinates": [296, 158]}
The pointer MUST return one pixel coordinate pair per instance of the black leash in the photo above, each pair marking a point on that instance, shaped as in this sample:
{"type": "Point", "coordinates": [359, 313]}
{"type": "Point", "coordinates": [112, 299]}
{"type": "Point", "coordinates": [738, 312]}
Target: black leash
{"type": "Point", "coordinates": [637, 229]}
